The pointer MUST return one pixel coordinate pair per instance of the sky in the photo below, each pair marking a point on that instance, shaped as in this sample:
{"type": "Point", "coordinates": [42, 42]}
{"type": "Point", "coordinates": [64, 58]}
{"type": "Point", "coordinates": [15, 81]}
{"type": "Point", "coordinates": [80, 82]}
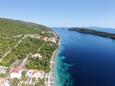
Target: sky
{"type": "Point", "coordinates": [61, 13]}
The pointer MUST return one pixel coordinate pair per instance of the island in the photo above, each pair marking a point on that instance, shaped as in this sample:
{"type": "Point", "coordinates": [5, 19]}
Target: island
{"type": "Point", "coordinates": [93, 32]}
{"type": "Point", "coordinates": [27, 53]}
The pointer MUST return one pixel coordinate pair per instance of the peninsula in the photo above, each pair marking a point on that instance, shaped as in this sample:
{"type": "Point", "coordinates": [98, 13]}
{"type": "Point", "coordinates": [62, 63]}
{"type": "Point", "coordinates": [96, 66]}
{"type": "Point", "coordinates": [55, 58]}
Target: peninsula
{"type": "Point", "coordinates": [93, 32]}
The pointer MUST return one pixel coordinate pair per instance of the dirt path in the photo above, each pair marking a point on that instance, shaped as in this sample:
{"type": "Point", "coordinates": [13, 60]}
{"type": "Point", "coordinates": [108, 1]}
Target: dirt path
{"type": "Point", "coordinates": [12, 48]}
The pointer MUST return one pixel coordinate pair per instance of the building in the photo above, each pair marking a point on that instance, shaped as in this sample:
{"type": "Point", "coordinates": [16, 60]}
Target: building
{"type": "Point", "coordinates": [16, 73]}
{"type": "Point", "coordinates": [35, 74]}
{"type": "Point", "coordinates": [37, 55]}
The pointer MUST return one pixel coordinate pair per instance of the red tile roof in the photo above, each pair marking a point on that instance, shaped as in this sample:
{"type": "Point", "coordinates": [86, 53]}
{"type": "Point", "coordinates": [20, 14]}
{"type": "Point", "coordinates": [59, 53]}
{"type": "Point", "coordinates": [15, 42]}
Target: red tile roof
{"type": "Point", "coordinates": [15, 70]}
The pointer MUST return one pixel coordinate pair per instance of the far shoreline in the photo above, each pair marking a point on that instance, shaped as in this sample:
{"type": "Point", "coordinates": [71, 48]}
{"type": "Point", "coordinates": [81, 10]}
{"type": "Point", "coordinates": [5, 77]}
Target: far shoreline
{"type": "Point", "coordinates": [93, 32]}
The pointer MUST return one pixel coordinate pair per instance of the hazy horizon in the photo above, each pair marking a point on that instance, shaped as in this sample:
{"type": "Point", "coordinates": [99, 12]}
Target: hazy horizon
{"type": "Point", "coordinates": [61, 13]}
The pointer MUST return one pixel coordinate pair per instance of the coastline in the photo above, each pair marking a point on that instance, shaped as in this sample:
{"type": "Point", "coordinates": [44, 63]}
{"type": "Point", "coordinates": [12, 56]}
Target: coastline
{"type": "Point", "coordinates": [51, 77]}
{"type": "Point", "coordinates": [54, 56]}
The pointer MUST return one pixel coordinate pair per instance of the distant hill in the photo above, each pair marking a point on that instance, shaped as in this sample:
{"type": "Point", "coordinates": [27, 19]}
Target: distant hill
{"type": "Point", "coordinates": [9, 27]}
{"type": "Point", "coordinates": [93, 32]}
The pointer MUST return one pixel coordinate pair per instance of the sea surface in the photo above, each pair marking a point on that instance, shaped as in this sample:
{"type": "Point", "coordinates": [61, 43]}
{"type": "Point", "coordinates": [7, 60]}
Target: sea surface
{"type": "Point", "coordinates": [85, 60]}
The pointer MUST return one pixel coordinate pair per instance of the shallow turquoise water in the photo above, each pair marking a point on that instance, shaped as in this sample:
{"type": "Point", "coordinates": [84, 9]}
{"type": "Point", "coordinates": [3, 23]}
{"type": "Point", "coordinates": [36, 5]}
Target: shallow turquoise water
{"type": "Point", "coordinates": [61, 70]}
{"type": "Point", "coordinates": [62, 76]}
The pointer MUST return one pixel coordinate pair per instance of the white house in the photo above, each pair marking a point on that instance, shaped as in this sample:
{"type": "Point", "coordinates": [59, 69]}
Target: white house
{"type": "Point", "coordinates": [36, 55]}
{"type": "Point", "coordinates": [16, 73]}
{"type": "Point", "coordinates": [35, 74]}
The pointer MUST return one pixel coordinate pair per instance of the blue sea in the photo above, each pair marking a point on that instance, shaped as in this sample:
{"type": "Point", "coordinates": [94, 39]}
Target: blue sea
{"type": "Point", "coordinates": [85, 60]}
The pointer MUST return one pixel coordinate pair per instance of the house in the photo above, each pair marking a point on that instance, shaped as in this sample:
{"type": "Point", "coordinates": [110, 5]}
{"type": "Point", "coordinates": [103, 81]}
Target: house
{"type": "Point", "coordinates": [36, 55]}
{"type": "Point", "coordinates": [35, 74]}
{"type": "Point", "coordinates": [16, 73]}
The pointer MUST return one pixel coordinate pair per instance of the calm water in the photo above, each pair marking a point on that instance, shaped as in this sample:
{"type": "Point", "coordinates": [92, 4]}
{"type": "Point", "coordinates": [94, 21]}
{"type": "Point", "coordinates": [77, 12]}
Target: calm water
{"type": "Point", "coordinates": [85, 60]}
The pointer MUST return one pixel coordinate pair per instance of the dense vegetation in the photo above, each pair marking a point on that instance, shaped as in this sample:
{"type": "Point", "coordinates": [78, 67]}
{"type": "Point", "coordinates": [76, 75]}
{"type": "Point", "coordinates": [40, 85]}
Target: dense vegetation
{"type": "Point", "coordinates": [31, 45]}
{"type": "Point", "coordinates": [93, 32]}
{"type": "Point", "coordinates": [12, 31]}
{"type": "Point", "coordinates": [40, 83]}
{"type": "Point", "coordinates": [14, 82]}
{"type": "Point", "coordinates": [2, 75]}
{"type": "Point", "coordinates": [42, 63]}
{"type": "Point", "coordinates": [6, 44]}
{"type": "Point", "coordinates": [28, 45]}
